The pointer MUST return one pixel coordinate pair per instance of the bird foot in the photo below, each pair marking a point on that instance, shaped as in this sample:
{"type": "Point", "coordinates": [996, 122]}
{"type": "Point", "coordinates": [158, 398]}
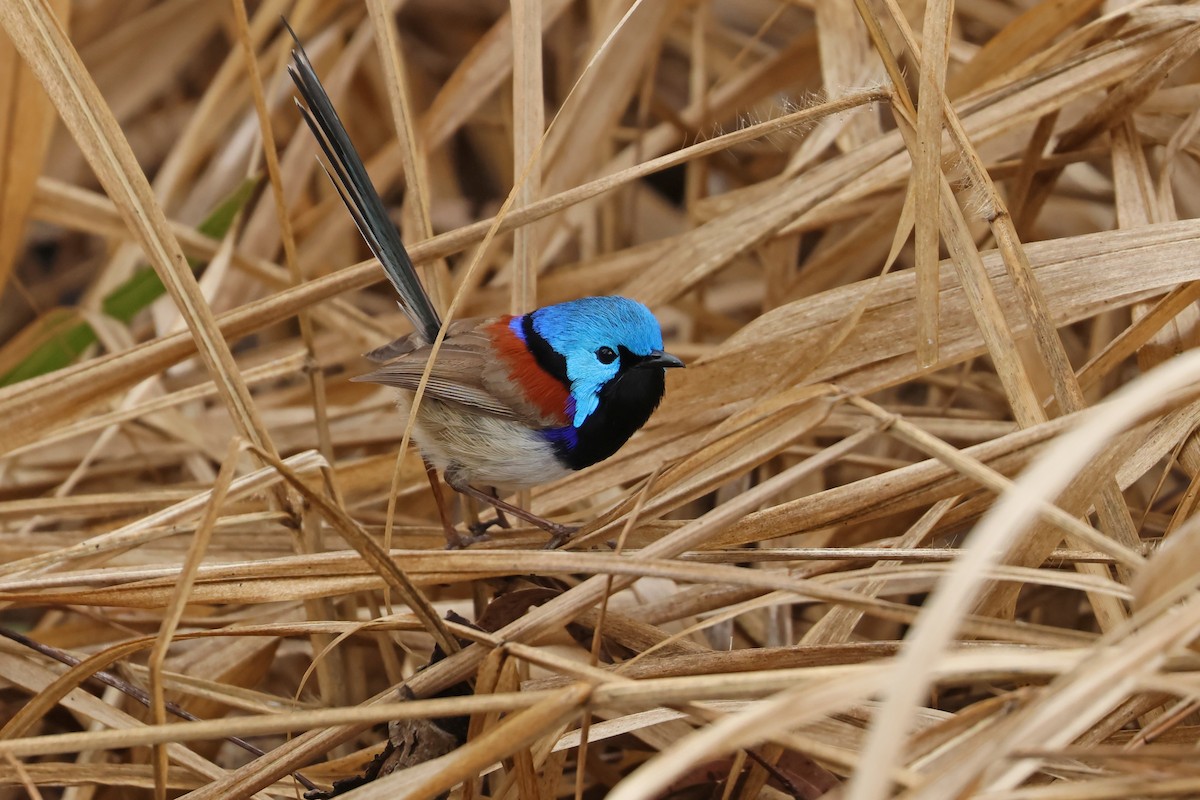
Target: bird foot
{"type": "Point", "coordinates": [456, 541]}
{"type": "Point", "coordinates": [560, 535]}
{"type": "Point", "coordinates": [481, 527]}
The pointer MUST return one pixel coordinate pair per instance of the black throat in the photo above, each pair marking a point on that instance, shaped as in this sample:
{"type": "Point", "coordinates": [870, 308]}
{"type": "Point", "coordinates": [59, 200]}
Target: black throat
{"type": "Point", "coordinates": [626, 402]}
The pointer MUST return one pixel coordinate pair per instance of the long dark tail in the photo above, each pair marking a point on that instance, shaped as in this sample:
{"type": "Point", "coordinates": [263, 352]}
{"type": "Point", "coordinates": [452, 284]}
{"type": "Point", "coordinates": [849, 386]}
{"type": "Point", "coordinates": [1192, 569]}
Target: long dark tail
{"type": "Point", "coordinates": [360, 197]}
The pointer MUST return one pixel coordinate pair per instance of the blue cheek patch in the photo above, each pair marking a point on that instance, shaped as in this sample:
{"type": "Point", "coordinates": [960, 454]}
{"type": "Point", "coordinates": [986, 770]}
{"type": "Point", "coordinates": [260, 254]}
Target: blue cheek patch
{"type": "Point", "coordinates": [580, 407]}
{"type": "Point", "coordinates": [515, 325]}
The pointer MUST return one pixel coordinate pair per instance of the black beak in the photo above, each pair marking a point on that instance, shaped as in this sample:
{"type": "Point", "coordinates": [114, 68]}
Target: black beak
{"type": "Point", "coordinates": [658, 358]}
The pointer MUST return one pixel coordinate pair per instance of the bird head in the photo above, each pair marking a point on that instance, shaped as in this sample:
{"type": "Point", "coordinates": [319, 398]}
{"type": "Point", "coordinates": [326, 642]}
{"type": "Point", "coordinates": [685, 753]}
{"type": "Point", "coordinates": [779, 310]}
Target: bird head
{"type": "Point", "coordinates": [607, 344]}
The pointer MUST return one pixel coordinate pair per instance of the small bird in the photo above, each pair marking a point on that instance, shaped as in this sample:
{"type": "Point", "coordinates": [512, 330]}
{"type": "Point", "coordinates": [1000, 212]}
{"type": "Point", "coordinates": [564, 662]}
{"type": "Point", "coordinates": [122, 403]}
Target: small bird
{"type": "Point", "coordinates": [512, 401]}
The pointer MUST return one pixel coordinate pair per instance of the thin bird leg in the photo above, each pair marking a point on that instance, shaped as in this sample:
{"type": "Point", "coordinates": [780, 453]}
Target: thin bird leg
{"type": "Point", "coordinates": [480, 526]}
{"type": "Point", "coordinates": [501, 520]}
{"type": "Point", "coordinates": [559, 531]}
{"type": "Point", "coordinates": [453, 540]}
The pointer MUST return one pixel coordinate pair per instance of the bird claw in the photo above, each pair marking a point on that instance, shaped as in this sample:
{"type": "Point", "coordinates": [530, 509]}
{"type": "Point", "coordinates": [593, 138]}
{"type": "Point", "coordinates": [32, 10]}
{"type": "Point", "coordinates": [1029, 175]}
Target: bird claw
{"type": "Point", "coordinates": [460, 542]}
{"type": "Point", "coordinates": [560, 535]}
{"type": "Point", "coordinates": [480, 528]}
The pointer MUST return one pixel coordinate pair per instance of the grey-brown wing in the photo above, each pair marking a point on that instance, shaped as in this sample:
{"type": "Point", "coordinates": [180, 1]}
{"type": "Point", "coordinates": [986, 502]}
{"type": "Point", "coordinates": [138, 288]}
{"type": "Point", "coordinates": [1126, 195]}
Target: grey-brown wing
{"type": "Point", "coordinates": [412, 342]}
{"type": "Point", "coordinates": [393, 349]}
{"type": "Point", "coordinates": [467, 373]}
{"type": "Point", "coordinates": [455, 379]}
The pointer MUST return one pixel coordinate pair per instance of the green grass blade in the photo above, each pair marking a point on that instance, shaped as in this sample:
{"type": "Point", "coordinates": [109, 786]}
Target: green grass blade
{"type": "Point", "coordinates": [63, 342]}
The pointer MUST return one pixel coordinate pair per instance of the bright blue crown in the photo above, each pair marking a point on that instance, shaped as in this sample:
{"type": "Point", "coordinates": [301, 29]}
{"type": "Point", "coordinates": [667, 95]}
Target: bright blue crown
{"type": "Point", "coordinates": [577, 329]}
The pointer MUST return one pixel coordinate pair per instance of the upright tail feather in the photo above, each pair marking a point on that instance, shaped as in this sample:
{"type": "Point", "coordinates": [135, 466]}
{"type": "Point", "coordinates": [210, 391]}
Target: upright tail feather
{"type": "Point", "coordinates": [360, 197]}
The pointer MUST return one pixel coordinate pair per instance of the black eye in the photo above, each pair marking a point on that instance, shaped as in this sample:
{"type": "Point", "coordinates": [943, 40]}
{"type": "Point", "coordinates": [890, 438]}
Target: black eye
{"type": "Point", "coordinates": [606, 355]}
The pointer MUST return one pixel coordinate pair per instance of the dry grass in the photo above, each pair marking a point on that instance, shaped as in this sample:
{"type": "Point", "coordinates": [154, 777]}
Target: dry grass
{"type": "Point", "coordinates": [917, 521]}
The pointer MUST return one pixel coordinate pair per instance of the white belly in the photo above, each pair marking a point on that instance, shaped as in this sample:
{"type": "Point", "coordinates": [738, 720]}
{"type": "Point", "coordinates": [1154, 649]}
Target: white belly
{"type": "Point", "coordinates": [482, 450]}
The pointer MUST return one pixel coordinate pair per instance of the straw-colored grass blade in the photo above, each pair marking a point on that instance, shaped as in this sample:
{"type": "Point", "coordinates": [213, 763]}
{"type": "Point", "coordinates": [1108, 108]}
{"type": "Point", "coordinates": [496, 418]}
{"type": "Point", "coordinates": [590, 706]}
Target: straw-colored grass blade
{"type": "Point", "coordinates": [529, 114]}
{"type": "Point", "coordinates": [28, 123]}
{"type": "Point", "coordinates": [917, 520]}
{"type": "Point", "coordinates": [927, 175]}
